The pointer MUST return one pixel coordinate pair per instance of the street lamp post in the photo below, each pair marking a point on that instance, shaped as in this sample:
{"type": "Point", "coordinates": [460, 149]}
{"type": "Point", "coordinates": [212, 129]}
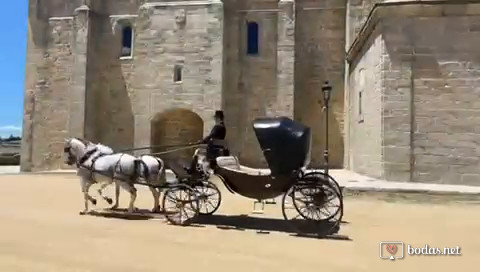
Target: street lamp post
{"type": "Point", "coordinates": [326, 90]}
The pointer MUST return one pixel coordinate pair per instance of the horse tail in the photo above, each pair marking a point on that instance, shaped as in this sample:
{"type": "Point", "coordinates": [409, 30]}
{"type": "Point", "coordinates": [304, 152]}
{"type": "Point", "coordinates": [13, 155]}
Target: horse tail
{"type": "Point", "coordinates": [138, 163]}
{"type": "Point", "coordinates": [194, 163]}
{"type": "Point", "coordinates": [161, 165]}
{"type": "Point", "coordinates": [161, 177]}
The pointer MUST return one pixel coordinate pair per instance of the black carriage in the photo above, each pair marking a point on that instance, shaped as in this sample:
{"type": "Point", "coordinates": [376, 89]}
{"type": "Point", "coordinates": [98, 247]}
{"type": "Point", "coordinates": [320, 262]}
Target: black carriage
{"type": "Point", "coordinates": [286, 148]}
{"type": "Point", "coordinates": [309, 197]}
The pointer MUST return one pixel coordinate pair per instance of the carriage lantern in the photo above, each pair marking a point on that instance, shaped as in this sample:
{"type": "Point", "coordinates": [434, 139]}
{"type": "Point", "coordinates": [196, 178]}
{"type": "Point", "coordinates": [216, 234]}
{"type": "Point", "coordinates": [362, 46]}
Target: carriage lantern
{"type": "Point", "coordinates": [326, 89]}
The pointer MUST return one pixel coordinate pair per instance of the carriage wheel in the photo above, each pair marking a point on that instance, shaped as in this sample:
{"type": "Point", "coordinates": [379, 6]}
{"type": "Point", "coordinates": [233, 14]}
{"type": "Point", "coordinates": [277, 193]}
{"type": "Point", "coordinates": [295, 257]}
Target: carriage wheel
{"type": "Point", "coordinates": [313, 206]}
{"type": "Point", "coordinates": [322, 175]}
{"type": "Point", "coordinates": [319, 202]}
{"type": "Point", "coordinates": [209, 197]}
{"type": "Point", "coordinates": [180, 204]}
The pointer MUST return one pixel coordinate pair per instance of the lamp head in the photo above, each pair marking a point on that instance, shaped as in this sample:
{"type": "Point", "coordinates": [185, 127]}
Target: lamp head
{"type": "Point", "coordinates": [326, 89]}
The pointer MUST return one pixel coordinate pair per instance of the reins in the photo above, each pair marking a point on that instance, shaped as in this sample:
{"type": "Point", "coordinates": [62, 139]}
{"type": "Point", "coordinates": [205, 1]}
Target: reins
{"type": "Point", "coordinates": [174, 150]}
{"type": "Point", "coordinates": [159, 147]}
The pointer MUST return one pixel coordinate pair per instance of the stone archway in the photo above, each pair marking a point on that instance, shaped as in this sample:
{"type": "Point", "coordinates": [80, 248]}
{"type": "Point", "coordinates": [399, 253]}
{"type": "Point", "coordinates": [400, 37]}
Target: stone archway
{"type": "Point", "coordinates": [175, 127]}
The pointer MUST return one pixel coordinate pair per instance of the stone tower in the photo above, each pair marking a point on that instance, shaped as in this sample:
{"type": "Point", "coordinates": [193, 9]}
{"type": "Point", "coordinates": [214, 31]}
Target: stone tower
{"type": "Point", "coordinates": [121, 72]}
{"type": "Point", "coordinates": [140, 73]}
{"type": "Point", "coordinates": [258, 81]}
{"type": "Point", "coordinates": [301, 44]}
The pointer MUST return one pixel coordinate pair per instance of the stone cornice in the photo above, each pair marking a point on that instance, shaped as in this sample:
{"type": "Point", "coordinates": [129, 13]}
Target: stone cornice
{"type": "Point", "coordinates": [433, 8]}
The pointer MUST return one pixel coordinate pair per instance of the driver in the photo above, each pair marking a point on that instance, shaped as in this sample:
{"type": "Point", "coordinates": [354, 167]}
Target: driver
{"type": "Point", "coordinates": [215, 143]}
{"type": "Point", "coordinates": [216, 139]}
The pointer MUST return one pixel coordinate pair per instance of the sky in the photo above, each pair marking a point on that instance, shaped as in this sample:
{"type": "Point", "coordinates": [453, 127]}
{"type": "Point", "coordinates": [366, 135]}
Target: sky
{"type": "Point", "coordinates": [13, 51]}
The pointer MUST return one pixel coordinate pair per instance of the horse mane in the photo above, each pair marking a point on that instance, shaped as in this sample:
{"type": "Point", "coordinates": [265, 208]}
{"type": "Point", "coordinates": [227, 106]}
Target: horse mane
{"type": "Point", "coordinates": [85, 142]}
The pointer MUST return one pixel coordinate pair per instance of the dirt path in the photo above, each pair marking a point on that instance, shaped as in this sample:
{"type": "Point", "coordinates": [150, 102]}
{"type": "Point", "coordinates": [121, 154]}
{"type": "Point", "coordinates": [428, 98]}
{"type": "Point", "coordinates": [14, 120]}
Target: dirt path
{"type": "Point", "coordinates": [40, 230]}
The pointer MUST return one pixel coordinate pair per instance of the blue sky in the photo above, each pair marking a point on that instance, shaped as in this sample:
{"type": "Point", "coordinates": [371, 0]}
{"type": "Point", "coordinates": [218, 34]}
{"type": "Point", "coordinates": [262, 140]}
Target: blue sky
{"type": "Point", "coordinates": [12, 65]}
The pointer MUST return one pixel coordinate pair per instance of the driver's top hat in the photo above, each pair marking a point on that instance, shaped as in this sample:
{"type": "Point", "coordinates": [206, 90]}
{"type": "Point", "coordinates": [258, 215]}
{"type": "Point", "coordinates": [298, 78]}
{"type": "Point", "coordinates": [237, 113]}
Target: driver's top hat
{"type": "Point", "coordinates": [219, 114]}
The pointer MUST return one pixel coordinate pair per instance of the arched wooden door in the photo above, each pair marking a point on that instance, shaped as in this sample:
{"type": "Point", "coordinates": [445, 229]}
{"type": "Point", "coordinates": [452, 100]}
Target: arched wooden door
{"type": "Point", "coordinates": [176, 127]}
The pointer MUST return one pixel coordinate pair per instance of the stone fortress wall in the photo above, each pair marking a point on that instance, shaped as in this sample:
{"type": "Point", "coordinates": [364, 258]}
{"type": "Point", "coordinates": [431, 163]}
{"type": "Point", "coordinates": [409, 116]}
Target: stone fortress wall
{"type": "Point", "coordinates": [403, 72]}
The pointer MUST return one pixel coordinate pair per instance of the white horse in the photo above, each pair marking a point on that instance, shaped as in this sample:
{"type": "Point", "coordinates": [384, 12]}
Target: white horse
{"type": "Point", "coordinates": [97, 150]}
{"type": "Point", "coordinates": [152, 171]}
{"type": "Point", "coordinates": [120, 168]}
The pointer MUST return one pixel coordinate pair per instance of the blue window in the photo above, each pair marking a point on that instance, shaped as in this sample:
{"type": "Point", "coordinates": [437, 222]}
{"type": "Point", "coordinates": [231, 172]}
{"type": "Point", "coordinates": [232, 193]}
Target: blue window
{"type": "Point", "coordinates": [252, 38]}
{"type": "Point", "coordinates": [127, 41]}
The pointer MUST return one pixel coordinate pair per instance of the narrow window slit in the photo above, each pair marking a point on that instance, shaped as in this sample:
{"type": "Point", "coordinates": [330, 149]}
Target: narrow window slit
{"type": "Point", "coordinates": [252, 38]}
{"type": "Point", "coordinates": [177, 73]}
{"type": "Point", "coordinates": [360, 110]}
{"type": "Point", "coordinates": [127, 41]}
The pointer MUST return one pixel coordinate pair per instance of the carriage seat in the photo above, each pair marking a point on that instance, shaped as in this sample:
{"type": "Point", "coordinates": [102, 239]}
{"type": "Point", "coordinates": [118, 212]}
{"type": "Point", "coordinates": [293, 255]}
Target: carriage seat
{"type": "Point", "coordinates": [232, 163]}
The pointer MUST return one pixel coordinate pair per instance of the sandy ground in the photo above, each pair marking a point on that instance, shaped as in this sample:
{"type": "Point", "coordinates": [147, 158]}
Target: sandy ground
{"type": "Point", "coordinates": [41, 230]}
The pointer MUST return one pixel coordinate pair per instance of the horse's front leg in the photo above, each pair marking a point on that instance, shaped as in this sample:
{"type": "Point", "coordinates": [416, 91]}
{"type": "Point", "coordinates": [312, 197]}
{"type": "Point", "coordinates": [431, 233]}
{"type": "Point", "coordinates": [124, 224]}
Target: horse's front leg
{"type": "Point", "coordinates": [85, 183]}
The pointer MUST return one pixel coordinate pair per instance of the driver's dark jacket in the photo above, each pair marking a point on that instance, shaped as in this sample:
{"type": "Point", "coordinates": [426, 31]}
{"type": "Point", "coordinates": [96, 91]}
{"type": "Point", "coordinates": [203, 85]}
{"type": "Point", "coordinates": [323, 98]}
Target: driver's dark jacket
{"type": "Point", "coordinates": [214, 149]}
{"type": "Point", "coordinates": [218, 132]}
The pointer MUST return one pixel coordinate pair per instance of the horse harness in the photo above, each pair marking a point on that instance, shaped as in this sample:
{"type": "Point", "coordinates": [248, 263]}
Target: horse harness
{"type": "Point", "coordinates": [87, 156]}
{"type": "Point", "coordinates": [91, 168]}
{"type": "Point", "coordinates": [133, 175]}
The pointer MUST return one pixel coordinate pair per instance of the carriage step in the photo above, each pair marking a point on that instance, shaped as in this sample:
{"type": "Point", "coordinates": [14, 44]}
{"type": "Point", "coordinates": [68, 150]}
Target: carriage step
{"type": "Point", "coordinates": [261, 209]}
{"type": "Point", "coordinates": [271, 201]}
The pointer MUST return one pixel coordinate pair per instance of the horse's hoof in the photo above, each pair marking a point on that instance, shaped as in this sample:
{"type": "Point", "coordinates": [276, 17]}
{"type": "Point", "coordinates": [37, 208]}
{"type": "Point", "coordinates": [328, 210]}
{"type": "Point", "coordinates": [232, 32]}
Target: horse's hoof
{"type": "Point", "coordinates": [83, 212]}
{"type": "Point", "coordinates": [132, 210]}
{"type": "Point", "coordinates": [156, 209]}
{"type": "Point", "coordinates": [109, 200]}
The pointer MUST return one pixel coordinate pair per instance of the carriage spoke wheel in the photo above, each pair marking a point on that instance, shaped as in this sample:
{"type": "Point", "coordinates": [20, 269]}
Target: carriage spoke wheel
{"type": "Point", "coordinates": [180, 204]}
{"type": "Point", "coordinates": [320, 202]}
{"type": "Point", "coordinates": [313, 207]}
{"type": "Point", "coordinates": [321, 175]}
{"type": "Point", "coordinates": [209, 197]}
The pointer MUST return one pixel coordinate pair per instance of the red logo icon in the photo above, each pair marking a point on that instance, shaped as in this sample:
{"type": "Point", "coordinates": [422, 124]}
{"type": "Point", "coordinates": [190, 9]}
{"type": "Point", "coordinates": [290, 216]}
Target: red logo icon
{"type": "Point", "coordinates": [391, 250]}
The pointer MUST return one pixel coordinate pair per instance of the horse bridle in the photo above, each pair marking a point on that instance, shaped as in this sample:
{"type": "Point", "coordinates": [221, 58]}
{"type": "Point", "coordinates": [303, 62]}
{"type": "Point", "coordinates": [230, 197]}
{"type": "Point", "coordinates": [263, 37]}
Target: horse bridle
{"type": "Point", "coordinates": [67, 149]}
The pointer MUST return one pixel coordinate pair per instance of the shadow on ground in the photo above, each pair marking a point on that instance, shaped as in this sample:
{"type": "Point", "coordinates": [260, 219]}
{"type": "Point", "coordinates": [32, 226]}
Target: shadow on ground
{"type": "Point", "coordinates": [241, 223]}
{"type": "Point", "coordinates": [266, 225]}
{"type": "Point", "coordinates": [140, 214]}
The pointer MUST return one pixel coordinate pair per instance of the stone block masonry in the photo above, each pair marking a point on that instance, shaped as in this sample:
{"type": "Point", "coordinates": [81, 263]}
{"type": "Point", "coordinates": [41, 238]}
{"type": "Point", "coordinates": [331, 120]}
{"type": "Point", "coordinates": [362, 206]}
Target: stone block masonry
{"type": "Point", "coordinates": [428, 93]}
{"type": "Point", "coordinates": [365, 114]}
{"type": "Point", "coordinates": [446, 88]}
{"type": "Point", "coordinates": [319, 56]}
{"type": "Point", "coordinates": [54, 82]}
{"type": "Point", "coordinates": [184, 36]}
{"type": "Point", "coordinates": [403, 106]}
{"type": "Point", "coordinates": [206, 42]}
